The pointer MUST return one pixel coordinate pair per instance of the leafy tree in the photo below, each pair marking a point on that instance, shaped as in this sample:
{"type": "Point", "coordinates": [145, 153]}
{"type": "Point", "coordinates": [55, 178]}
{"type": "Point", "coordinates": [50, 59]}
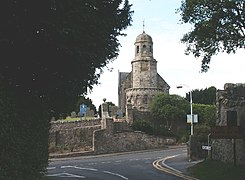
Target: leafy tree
{"type": "Point", "coordinates": [87, 101]}
{"type": "Point", "coordinates": [51, 53]}
{"type": "Point", "coordinates": [55, 50]}
{"type": "Point", "coordinates": [219, 26]}
{"type": "Point", "coordinates": [206, 114]}
{"type": "Point", "coordinates": [169, 109]}
{"type": "Point", "coordinates": [203, 96]}
{"type": "Point", "coordinates": [143, 126]}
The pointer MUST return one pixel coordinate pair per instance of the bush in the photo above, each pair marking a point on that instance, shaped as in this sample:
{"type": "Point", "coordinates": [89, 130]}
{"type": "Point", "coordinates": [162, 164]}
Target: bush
{"type": "Point", "coordinates": [23, 137]}
{"type": "Point", "coordinates": [142, 126]}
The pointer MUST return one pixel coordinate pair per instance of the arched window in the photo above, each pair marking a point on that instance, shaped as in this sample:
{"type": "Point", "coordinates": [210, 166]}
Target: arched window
{"type": "Point", "coordinates": [144, 48]}
{"type": "Point", "coordinates": [145, 99]}
{"type": "Point", "coordinates": [151, 49]}
{"type": "Point", "coordinates": [137, 49]}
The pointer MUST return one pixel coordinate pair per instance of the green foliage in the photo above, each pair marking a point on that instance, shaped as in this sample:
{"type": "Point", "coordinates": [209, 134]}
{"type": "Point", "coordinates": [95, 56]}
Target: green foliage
{"type": "Point", "coordinates": [150, 128]}
{"type": "Point", "coordinates": [87, 101]}
{"type": "Point", "coordinates": [169, 108]}
{"type": "Point", "coordinates": [206, 114]}
{"type": "Point", "coordinates": [219, 26]}
{"type": "Point", "coordinates": [57, 50]}
{"type": "Point", "coordinates": [23, 137]}
{"type": "Point", "coordinates": [143, 126]}
{"type": "Point", "coordinates": [201, 132]}
{"type": "Point", "coordinates": [51, 53]}
{"type": "Point", "coordinates": [203, 96]}
{"type": "Point", "coordinates": [211, 169]}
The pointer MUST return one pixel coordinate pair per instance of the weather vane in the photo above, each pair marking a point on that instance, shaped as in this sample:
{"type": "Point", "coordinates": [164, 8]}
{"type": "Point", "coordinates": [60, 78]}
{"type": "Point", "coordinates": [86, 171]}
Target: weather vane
{"type": "Point", "coordinates": [143, 26]}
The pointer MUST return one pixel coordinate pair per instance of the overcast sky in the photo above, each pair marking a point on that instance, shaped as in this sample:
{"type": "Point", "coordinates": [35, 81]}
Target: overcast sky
{"type": "Point", "coordinates": [163, 25]}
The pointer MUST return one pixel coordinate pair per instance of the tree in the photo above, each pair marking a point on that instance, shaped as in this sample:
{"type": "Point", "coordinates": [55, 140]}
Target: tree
{"type": "Point", "coordinates": [219, 26]}
{"type": "Point", "coordinates": [51, 53]}
{"type": "Point", "coordinates": [203, 96]}
{"type": "Point", "coordinates": [169, 109]}
{"type": "Point", "coordinates": [55, 50]}
{"type": "Point", "coordinates": [206, 114]}
{"type": "Point", "coordinates": [87, 101]}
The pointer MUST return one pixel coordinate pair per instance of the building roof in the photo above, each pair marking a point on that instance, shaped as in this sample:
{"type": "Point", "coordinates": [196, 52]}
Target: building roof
{"type": "Point", "coordinates": [143, 38]}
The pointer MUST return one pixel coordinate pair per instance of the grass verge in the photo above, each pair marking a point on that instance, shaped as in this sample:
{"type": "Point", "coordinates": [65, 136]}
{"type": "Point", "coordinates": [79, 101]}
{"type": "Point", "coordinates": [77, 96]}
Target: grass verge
{"type": "Point", "coordinates": [216, 170]}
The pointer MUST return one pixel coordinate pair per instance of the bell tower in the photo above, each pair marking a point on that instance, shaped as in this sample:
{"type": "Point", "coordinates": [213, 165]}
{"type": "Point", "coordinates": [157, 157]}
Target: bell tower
{"type": "Point", "coordinates": [144, 66]}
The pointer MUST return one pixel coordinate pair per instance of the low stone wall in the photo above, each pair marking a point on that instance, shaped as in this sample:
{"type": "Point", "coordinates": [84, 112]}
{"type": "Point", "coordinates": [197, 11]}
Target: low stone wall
{"type": "Point", "coordinates": [108, 142]}
{"type": "Point", "coordinates": [195, 150]}
{"type": "Point", "coordinates": [73, 138]}
{"type": "Point", "coordinates": [73, 135]}
{"type": "Point", "coordinates": [59, 125]}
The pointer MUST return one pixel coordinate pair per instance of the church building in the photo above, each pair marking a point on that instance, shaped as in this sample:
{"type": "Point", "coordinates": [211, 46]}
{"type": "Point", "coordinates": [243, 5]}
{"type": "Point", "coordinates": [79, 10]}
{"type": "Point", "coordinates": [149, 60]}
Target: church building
{"type": "Point", "coordinates": [138, 87]}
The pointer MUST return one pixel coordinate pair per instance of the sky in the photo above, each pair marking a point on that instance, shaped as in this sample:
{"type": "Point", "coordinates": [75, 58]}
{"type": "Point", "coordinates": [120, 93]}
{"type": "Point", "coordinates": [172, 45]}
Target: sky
{"type": "Point", "coordinates": [163, 24]}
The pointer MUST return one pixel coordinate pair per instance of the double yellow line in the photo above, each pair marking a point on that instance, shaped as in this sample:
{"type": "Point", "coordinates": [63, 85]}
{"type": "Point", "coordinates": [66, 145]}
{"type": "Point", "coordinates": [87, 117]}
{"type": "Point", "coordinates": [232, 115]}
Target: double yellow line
{"type": "Point", "coordinates": [158, 165]}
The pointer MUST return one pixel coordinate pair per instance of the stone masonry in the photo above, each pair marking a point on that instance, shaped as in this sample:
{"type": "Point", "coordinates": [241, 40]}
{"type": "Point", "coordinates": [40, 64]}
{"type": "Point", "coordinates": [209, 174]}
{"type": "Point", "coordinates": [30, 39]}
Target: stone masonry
{"type": "Point", "coordinates": [137, 88]}
{"type": "Point", "coordinates": [230, 112]}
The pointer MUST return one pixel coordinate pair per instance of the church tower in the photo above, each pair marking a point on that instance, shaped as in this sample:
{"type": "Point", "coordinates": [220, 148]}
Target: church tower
{"type": "Point", "coordinates": [144, 66]}
{"type": "Point", "coordinates": [137, 88]}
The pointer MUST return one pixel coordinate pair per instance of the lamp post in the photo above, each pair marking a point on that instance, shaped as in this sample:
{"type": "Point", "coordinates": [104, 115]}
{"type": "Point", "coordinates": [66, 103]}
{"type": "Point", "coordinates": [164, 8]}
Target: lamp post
{"type": "Point", "coordinates": [181, 86]}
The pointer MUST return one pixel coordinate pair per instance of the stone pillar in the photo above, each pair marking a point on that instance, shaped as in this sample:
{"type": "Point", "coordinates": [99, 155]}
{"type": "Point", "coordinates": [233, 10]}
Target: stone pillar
{"type": "Point", "coordinates": [105, 114]}
{"type": "Point", "coordinates": [129, 114]}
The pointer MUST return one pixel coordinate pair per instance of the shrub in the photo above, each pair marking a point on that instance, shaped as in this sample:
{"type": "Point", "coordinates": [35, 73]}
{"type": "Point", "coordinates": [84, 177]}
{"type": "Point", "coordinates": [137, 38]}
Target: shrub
{"type": "Point", "coordinates": [23, 137]}
{"type": "Point", "coordinates": [142, 126]}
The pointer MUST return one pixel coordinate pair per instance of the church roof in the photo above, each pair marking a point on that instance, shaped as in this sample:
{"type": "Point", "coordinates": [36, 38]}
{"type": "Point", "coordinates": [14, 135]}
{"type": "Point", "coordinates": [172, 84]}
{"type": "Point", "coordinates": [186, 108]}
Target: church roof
{"type": "Point", "coordinates": [143, 37]}
{"type": "Point", "coordinates": [122, 77]}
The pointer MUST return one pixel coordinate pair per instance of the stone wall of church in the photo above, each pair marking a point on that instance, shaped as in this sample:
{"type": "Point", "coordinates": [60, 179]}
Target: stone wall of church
{"type": "Point", "coordinates": [140, 98]}
{"type": "Point", "coordinates": [144, 73]}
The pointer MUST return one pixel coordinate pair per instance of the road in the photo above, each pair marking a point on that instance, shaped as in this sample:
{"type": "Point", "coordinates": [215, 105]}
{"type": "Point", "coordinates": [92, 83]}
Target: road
{"type": "Point", "coordinates": [112, 167]}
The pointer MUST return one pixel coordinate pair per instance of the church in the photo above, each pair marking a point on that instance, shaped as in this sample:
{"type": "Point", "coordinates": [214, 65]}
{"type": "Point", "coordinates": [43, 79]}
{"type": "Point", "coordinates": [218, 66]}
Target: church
{"type": "Point", "coordinates": [137, 88]}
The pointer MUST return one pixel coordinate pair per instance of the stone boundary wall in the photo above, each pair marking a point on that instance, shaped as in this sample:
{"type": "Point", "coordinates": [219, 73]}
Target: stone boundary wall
{"type": "Point", "coordinates": [105, 141]}
{"type": "Point", "coordinates": [81, 137]}
{"type": "Point", "coordinates": [223, 149]}
{"type": "Point", "coordinates": [56, 126]}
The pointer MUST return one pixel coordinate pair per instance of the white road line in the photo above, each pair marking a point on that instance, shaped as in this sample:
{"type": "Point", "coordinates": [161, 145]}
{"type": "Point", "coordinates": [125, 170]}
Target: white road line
{"type": "Point", "coordinates": [106, 162]}
{"type": "Point", "coordinates": [89, 169]}
{"type": "Point", "coordinates": [50, 168]}
{"type": "Point", "coordinates": [115, 174]}
{"type": "Point", "coordinates": [118, 161]}
{"type": "Point", "coordinates": [75, 167]}
{"type": "Point", "coordinates": [147, 158]}
{"type": "Point", "coordinates": [92, 163]}
{"type": "Point", "coordinates": [66, 175]}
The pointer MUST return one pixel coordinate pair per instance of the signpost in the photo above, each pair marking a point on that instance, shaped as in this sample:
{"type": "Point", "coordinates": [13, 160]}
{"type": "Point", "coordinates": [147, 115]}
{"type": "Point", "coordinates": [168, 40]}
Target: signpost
{"type": "Point", "coordinates": [194, 118]}
{"type": "Point", "coordinates": [208, 148]}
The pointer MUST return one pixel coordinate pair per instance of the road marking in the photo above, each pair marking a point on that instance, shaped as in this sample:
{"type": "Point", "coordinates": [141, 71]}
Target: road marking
{"type": "Point", "coordinates": [115, 174]}
{"type": "Point", "coordinates": [51, 168]}
{"type": "Point", "coordinates": [118, 161]}
{"type": "Point", "coordinates": [66, 175]}
{"type": "Point", "coordinates": [106, 162]}
{"type": "Point", "coordinates": [92, 164]}
{"type": "Point", "coordinates": [81, 168]}
{"type": "Point", "coordinates": [170, 170]}
{"type": "Point", "coordinates": [89, 169]}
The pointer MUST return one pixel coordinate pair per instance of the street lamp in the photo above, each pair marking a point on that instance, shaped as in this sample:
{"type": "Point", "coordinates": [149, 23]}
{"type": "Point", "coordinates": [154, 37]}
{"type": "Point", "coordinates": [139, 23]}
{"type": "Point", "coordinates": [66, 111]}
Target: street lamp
{"type": "Point", "coordinates": [181, 86]}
